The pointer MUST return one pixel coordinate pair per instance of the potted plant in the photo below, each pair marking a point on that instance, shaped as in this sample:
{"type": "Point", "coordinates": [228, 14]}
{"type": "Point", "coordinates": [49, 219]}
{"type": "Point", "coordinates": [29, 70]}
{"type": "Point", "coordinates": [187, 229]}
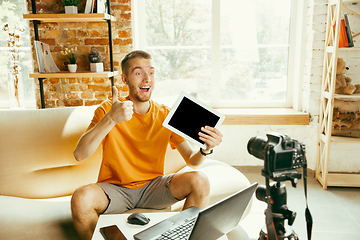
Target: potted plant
{"type": "Point", "coordinates": [96, 59]}
{"type": "Point", "coordinates": [71, 6]}
{"type": "Point", "coordinates": [71, 54]}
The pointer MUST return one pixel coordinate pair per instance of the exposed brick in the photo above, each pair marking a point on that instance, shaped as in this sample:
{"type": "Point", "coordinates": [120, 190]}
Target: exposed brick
{"type": "Point", "coordinates": [73, 102]}
{"type": "Point", "coordinates": [52, 34]}
{"type": "Point", "coordinates": [95, 33]}
{"type": "Point", "coordinates": [57, 95]}
{"type": "Point", "coordinates": [124, 1]}
{"type": "Point", "coordinates": [69, 41]}
{"type": "Point", "coordinates": [100, 88]}
{"type": "Point", "coordinates": [83, 50]}
{"type": "Point", "coordinates": [124, 34]}
{"type": "Point", "coordinates": [98, 80]}
{"type": "Point", "coordinates": [54, 80]}
{"type": "Point", "coordinates": [101, 95]}
{"type": "Point", "coordinates": [83, 63]}
{"type": "Point", "coordinates": [87, 95]}
{"type": "Point", "coordinates": [85, 80]}
{"type": "Point", "coordinates": [77, 87]}
{"type": "Point", "coordinates": [49, 41]}
{"type": "Point", "coordinates": [96, 41]}
{"type": "Point", "coordinates": [72, 80]}
{"type": "Point", "coordinates": [122, 8]}
{"type": "Point", "coordinates": [127, 41]}
{"type": "Point", "coordinates": [70, 33]}
{"type": "Point", "coordinates": [92, 102]}
{"type": "Point", "coordinates": [73, 25]}
{"type": "Point", "coordinates": [51, 103]}
{"type": "Point", "coordinates": [83, 33]}
{"type": "Point", "coordinates": [97, 25]}
{"type": "Point", "coordinates": [72, 96]}
{"type": "Point", "coordinates": [125, 16]}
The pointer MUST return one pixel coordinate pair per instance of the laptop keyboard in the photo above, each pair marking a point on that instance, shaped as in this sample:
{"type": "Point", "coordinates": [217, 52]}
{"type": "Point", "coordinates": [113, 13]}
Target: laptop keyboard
{"type": "Point", "coordinates": [182, 232]}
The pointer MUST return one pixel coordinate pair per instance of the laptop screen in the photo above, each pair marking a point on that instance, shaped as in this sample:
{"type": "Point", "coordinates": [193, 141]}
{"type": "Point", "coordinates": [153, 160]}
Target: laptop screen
{"type": "Point", "coordinates": [213, 222]}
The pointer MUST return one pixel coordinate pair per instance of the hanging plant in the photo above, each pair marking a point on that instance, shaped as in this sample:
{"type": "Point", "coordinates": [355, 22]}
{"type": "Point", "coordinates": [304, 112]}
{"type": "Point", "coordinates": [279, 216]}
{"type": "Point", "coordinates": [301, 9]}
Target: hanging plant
{"type": "Point", "coordinates": [14, 45]}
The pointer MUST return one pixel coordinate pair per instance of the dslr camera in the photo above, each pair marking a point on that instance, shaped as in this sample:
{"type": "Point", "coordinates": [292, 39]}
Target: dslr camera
{"type": "Point", "coordinates": [282, 156]}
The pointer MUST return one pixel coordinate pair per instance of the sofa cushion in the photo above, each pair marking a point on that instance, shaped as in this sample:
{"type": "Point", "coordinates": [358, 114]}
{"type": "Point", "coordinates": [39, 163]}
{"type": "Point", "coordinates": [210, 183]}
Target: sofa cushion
{"type": "Point", "coordinates": [36, 147]}
{"type": "Point", "coordinates": [29, 219]}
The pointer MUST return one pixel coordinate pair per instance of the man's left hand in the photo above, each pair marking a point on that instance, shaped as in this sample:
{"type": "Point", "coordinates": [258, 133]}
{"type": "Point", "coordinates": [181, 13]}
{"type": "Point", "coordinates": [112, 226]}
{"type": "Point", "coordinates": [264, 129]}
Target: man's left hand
{"type": "Point", "coordinates": [211, 136]}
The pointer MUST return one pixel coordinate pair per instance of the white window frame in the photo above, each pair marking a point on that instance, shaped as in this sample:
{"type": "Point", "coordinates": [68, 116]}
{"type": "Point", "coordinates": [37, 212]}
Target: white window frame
{"type": "Point", "coordinates": [296, 54]}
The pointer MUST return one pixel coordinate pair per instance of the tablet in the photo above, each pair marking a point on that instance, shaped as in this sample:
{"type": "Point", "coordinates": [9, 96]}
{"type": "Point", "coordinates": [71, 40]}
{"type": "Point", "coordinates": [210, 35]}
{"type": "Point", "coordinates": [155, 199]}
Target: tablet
{"type": "Point", "coordinates": [188, 115]}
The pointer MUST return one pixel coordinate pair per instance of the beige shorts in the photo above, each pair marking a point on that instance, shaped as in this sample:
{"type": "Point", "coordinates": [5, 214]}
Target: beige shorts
{"type": "Point", "coordinates": [154, 195]}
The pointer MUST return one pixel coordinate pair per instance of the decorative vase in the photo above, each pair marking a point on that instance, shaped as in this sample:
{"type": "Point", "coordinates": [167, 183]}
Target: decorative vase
{"type": "Point", "coordinates": [96, 67]}
{"type": "Point", "coordinates": [71, 9]}
{"type": "Point", "coordinates": [72, 67]}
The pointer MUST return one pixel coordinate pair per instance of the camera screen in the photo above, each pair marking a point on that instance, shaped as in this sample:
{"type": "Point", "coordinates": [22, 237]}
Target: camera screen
{"type": "Point", "coordinates": [283, 160]}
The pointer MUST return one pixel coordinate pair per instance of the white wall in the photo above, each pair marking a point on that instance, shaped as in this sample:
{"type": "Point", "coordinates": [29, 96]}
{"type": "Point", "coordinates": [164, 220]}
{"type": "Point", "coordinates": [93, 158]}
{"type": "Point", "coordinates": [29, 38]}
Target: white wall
{"type": "Point", "coordinates": [233, 150]}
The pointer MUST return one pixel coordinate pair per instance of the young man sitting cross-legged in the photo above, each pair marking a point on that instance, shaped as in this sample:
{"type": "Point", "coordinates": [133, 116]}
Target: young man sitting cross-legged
{"type": "Point", "coordinates": [134, 145]}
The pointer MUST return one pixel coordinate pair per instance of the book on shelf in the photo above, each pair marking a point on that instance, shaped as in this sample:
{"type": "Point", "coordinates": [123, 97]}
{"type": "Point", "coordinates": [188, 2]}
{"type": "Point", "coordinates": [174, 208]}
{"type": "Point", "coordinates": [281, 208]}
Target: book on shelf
{"type": "Point", "coordinates": [343, 40]}
{"type": "Point", "coordinates": [101, 6]}
{"type": "Point", "coordinates": [348, 31]}
{"type": "Point", "coordinates": [45, 61]}
{"type": "Point", "coordinates": [95, 6]}
{"type": "Point", "coordinates": [89, 6]}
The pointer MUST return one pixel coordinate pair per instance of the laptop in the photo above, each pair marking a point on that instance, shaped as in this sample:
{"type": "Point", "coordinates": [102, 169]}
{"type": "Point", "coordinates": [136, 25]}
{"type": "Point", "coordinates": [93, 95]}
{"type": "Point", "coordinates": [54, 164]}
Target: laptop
{"type": "Point", "coordinates": [188, 115]}
{"type": "Point", "coordinates": [206, 224]}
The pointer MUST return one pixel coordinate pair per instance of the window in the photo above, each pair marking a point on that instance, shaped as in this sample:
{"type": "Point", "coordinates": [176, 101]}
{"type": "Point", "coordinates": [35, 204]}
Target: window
{"type": "Point", "coordinates": [230, 53]}
{"type": "Point", "coordinates": [11, 12]}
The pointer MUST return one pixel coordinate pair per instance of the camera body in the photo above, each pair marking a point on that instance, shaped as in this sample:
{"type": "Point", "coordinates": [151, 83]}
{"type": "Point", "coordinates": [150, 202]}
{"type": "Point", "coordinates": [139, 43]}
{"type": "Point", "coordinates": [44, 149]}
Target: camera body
{"type": "Point", "coordinates": [282, 155]}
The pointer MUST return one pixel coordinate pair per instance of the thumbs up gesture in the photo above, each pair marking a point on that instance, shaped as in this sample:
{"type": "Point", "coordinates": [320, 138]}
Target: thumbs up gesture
{"type": "Point", "coordinates": [120, 111]}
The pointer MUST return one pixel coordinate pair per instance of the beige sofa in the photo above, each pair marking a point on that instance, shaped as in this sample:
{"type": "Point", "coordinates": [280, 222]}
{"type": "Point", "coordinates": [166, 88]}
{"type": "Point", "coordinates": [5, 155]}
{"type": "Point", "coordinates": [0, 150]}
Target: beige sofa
{"type": "Point", "coordinates": [38, 172]}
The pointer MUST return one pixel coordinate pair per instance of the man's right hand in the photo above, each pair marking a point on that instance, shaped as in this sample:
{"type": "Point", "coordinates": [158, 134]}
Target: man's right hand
{"type": "Point", "coordinates": [120, 111]}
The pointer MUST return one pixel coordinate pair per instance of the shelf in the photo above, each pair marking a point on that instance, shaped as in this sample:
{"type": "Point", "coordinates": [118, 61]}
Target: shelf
{"type": "Point", "coordinates": [349, 48]}
{"type": "Point", "coordinates": [345, 139]}
{"type": "Point", "coordinates": [331, 49]}
{"type": "Point", "coordinates": [327, 135]}
{"type": "Point", "coordinates": [353, 97]}
{"type": "Point", "coordinates": [62, 17]}
{"type": "Point", "coordinates": [341, 179]}
{"type": "Point", "coordinates": [338, 139]}
{"type": "Point", "coordinates": [79, 74]}
{"type": "Point", "coordinates": [351, 1]}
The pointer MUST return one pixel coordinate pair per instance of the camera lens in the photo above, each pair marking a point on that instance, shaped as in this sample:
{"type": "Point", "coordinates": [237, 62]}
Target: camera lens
{"type": "Point", "coordinates": [256, 147]}
{"type": "Point", "coordinates": [260, 193]}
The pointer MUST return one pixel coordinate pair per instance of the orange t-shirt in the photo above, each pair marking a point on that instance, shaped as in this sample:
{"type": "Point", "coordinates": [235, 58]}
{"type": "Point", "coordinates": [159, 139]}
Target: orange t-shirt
{"type": "Point", "coordinates": [134, 151]}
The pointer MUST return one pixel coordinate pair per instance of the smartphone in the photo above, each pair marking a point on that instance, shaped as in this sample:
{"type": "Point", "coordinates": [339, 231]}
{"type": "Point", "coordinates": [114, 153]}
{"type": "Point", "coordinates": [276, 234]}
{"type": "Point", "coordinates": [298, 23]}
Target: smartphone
{"type": "Point", "coordinates": [112, 233]}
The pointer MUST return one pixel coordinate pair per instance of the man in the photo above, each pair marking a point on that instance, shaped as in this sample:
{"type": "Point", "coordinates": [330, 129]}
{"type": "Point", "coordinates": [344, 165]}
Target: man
{"type": "Point", "coordinates": [134, 144]}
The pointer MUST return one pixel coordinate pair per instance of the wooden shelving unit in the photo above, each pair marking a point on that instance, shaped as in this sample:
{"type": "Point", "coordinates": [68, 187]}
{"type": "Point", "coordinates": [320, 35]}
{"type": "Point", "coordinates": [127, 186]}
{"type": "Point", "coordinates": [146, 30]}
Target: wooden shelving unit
{"type": "Point", "coordinates": [80, 17]}
{"type": "Point", "coordinates": [78, 74]}
{"type": "Point", "coordinates": [328, 96]}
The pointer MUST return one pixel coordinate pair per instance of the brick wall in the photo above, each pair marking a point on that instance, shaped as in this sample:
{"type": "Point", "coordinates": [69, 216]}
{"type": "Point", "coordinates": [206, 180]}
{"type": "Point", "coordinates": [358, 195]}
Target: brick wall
{"type": "Point", "coordinates": [65, 92]}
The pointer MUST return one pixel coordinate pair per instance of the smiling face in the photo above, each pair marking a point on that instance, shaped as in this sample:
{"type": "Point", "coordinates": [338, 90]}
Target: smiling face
{"type": "Point", "coordinates": [140, 79]}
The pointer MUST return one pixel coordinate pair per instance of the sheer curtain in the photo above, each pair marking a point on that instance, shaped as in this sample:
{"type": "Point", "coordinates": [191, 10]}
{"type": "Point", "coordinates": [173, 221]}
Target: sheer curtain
{"type": "Point", "coordinates": [11, 13]}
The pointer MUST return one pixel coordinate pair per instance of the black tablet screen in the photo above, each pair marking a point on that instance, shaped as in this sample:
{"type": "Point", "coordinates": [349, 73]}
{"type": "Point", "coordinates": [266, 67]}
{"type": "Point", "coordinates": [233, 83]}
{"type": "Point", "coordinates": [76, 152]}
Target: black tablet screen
{"type": "Point", "coordinates": [189, 117]}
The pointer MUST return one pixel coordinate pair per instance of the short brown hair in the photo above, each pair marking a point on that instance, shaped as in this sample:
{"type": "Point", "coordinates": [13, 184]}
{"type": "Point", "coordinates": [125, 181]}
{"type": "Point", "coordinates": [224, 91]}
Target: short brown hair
{"type": "Point", "coordinates": [132, 55]}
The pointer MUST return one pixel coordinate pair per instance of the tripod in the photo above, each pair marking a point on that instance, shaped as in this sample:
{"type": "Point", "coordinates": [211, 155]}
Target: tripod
{"type": "Point", "coordinates": [279, 210]}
